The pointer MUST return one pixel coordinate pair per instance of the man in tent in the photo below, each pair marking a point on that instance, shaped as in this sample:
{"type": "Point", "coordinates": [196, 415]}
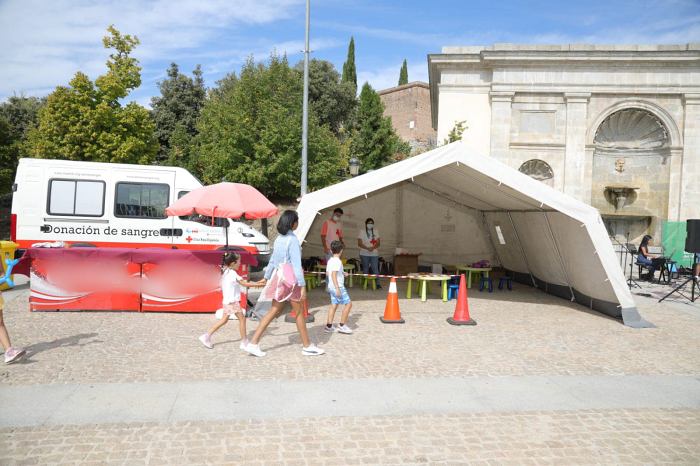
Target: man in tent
{"type": "Point", "coordinates": [332, 230]}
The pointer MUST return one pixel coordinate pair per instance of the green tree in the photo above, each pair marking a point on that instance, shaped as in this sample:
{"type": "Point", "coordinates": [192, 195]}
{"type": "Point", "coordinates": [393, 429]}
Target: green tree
{"type": "Point", "coordinates": [349, 71]}
{"type": "Point", "coordinates": [8, 156]}
{"type": "Point", "coordinates": [455, 133]}
{"type": "Point", "coordinates": [176, 111]}
{"type": "Point", "coordinates": [331, 100]}
{"type": "Point", "coordinates": [403, 74]}
{"type": "Point", "coordinates": [374, 141]}
{"type": "Point", "coordinates": [87, 121]}
{"type": "Point", "coordinates": [17, 116]}
{"type": "Point", "coordinates": [21, 113]}
{"type": "Point", "coordinates": [250, 132]}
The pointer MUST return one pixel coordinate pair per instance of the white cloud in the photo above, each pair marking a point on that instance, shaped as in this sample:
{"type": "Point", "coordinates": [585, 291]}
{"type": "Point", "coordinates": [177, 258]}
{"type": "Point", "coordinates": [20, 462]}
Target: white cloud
{"type": "Point", "coordinates": [45, 43]}
{"type": "Point", "coordinates": [293, 50]}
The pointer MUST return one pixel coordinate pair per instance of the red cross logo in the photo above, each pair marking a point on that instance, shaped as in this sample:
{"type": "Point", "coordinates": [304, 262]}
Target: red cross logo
{"type": "Point", "coordinates": [189, 239]}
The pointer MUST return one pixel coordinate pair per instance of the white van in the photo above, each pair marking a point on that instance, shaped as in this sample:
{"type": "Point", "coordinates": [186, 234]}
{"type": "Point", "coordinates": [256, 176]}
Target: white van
{"type": "Point", "coordinates": [116, 205]}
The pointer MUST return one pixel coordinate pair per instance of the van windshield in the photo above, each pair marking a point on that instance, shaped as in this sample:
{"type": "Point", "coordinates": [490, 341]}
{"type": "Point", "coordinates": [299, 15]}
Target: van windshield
{"type": "Point", "coordinates": [202, 219]}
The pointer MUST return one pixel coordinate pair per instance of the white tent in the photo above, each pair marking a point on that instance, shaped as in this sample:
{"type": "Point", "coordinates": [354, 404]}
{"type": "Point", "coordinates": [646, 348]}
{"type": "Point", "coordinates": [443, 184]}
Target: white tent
{"type": "Point", "coordinates": [453, 206]}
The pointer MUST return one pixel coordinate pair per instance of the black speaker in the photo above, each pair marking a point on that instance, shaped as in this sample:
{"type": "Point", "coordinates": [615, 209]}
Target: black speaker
{"type": "Point", "coordinates": [692, 238]}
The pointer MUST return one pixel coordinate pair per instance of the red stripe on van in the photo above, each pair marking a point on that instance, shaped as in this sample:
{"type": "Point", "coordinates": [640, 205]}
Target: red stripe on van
{"type": "Point", "coordinates": [27, 243]}
{"type": "Point", "coordinates": [13, 227]}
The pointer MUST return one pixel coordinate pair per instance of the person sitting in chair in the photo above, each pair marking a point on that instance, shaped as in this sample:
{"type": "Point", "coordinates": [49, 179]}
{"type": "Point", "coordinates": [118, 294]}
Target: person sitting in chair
{"type": "Point", "coordinates": [645, 258]}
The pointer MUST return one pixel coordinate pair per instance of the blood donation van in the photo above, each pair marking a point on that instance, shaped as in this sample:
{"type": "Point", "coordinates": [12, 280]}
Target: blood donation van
{"type": "Point", "coordinates": [116, 205]}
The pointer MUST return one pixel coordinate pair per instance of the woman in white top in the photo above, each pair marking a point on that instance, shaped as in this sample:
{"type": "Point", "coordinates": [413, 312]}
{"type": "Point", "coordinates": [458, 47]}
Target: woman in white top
{"type": "Point", "coordinates": [368, 241]}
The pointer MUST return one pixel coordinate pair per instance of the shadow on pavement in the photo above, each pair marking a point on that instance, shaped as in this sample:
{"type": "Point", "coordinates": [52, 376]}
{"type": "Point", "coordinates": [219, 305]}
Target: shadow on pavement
{"type": "Point", "coordinates": [71, 341]}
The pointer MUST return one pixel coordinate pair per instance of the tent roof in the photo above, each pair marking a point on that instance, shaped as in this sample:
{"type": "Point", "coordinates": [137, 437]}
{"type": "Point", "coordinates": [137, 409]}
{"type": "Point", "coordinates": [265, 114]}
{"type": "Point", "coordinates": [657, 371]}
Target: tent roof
{"type": "Point", "coordinates": [451, 171]}
{"type": "Point", "coordinates": [454, 172]}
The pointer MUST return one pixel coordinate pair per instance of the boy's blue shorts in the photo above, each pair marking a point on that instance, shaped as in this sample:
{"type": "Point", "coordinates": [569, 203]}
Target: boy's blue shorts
{"type": "Point", "coordinates": [344, 296]}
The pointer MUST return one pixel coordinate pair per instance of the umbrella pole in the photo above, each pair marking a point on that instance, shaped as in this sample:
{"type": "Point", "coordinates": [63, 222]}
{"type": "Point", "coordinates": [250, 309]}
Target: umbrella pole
{"type": "Point", "coordinates": [226, 234]}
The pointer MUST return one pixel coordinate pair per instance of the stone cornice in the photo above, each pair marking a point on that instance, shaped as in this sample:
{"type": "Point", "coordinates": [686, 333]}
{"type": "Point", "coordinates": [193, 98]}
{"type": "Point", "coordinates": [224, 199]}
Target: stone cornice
{"type": "Point", "coordinates": [679, 56]}
{"type": "Point", "coordinates": [577, 97]}
{"type": "Point", "coordinates": [596, 88]}
{"type": "Point", "coordinates": [692, 98]}
{"type": "Point", "coordinates": [501, 96]}
{"type": "Point", "coordinates": [627, 57]}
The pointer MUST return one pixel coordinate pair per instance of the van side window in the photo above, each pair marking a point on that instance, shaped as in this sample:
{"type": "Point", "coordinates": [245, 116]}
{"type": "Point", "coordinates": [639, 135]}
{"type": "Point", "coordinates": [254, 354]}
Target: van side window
{"type": "Point", "coordinates": [76, 198]}
{"type": "Point", "coordinates": [141, 200]}
{"type": "Point", "coordinates": [203, 219]}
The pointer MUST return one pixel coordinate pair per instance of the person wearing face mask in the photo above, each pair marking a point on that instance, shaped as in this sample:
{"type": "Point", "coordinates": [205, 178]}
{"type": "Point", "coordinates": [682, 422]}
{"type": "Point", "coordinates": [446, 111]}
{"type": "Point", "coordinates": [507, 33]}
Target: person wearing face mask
{"type": "Point", "coordinates": [368, 241]}
{"type": "Point", "coordinates": [332, 230]}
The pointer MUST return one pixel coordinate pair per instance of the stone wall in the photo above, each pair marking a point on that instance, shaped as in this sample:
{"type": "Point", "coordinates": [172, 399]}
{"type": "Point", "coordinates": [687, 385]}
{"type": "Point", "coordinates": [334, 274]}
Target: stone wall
{"type": "Point", "coordinates": [546, 103]}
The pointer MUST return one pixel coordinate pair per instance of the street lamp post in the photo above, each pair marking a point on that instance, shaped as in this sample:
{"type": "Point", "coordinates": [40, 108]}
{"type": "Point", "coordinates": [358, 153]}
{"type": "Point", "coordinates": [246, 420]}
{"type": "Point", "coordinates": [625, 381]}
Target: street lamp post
{"type": "Point", "coordinates": [305, 111]}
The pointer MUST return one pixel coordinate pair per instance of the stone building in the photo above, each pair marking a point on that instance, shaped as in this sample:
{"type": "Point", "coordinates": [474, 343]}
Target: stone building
{"type": "Point", "coordinates": [615, 126]}
{"type": "Point", "coordinates": [409, 108]}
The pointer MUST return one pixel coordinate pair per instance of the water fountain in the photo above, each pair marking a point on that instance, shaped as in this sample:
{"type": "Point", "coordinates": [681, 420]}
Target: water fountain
{"type": "Point", "coordinates": [618, 195]}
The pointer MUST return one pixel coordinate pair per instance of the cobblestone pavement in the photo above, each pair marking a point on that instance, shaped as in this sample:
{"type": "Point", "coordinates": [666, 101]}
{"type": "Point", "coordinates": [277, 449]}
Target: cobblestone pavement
{"type": "Point", "coordinates": [580, 437]}
{"type": "Point", "coordinates": [520, 333]}
{"type": "Point", "coordinates": [528, 334]}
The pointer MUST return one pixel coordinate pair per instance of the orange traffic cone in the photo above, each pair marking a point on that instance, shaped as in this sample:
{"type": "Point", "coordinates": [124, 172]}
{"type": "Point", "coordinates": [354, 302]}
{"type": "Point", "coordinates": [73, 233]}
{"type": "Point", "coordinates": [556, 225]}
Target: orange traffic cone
{"type": "Point", "coordinates": [392, 314]}
{"type": "Point", "coordinates": [292, 316]}
{"type": "Point", "coordinates": [461, 316]}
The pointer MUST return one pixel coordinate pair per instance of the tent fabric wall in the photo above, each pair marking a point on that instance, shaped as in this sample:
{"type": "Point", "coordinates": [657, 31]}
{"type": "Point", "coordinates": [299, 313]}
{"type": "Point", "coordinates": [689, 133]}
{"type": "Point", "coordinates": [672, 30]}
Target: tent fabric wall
{"type": "Point", "coordinates": [446, 204]}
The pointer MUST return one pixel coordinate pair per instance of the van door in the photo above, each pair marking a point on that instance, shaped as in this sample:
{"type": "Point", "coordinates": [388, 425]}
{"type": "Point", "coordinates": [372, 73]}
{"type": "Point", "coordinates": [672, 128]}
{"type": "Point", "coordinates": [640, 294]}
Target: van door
{"type": "Point", "coordinates": [140, 197]}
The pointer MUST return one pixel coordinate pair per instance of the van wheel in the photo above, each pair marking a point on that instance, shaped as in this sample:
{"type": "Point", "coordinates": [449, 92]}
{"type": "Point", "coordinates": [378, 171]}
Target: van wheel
{"type": "Point", "coordinates": [82, 245]}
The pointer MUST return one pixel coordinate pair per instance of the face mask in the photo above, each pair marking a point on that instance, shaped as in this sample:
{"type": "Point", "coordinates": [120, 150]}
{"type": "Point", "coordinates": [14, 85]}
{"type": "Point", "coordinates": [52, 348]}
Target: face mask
{"type": "Point", "coordinates": [336, 218]}
{"type": "Point", "coordinates": [370, 226]}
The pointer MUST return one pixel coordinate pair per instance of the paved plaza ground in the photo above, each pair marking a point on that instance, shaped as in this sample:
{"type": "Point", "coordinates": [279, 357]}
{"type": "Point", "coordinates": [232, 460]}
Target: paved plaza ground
{"type": "Point", "coordinates": [538, 380]}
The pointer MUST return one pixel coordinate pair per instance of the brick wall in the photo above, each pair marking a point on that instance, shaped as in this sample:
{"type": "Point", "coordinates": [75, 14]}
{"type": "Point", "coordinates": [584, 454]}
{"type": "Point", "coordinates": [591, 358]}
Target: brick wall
{"type": "Point", "coordinates": [409, 109]}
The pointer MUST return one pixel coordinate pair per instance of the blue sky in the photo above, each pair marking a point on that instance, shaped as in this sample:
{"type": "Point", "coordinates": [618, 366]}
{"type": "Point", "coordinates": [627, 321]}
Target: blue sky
{"type": "Point", "coordinates": [46, 41]}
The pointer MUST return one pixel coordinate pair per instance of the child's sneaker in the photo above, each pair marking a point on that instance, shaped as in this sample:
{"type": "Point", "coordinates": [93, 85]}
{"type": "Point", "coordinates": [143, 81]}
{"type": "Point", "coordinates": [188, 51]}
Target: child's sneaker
{"type": "Point", "coordinates": [344, 329]}
{"type": "Point", "coordinates": [312, 350]}
{"type": "Point", "coordinates": [254, 350]}
{"type": "Point", "coordinates": [206, 341]}
{"type": "Point", "coordinates": [331, 329]}
{"type": "Point", "coordinates": [13, 355]}
{"type": "Point", "coordinates": [243, 344]}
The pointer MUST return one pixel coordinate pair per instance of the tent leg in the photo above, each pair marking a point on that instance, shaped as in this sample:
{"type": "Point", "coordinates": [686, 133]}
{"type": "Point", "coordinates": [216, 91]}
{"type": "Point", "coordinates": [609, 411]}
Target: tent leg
{"type": "Point", "coordinates": [522, 251]}
{"type": "Point", "coordinates": [561, 260]}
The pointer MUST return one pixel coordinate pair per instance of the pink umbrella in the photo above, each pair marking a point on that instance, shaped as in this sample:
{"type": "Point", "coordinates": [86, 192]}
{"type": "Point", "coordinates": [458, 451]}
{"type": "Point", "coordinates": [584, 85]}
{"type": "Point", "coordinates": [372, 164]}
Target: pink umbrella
{"type": "Point", "coordinates": [224, 200]}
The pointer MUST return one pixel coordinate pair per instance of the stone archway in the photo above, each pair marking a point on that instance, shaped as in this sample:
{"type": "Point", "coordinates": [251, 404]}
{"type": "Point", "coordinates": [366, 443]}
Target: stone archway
{"type": "Point", "coordinates": [630, 178]}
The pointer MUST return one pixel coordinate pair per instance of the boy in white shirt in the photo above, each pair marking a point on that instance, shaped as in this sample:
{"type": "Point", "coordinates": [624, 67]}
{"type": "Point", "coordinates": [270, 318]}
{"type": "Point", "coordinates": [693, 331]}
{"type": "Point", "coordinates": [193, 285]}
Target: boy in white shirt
{"type": "Point", "coordinates": [231, 284]}
{"type": "Point", "coordinates": [336, 289]}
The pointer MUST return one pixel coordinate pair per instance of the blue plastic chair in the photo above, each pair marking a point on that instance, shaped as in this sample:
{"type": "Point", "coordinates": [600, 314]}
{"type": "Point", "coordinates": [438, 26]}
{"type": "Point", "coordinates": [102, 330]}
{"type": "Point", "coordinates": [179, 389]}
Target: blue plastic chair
{"type": "Point", "coordinates": [452, 291]}
{"type": "Point", "coordinates": [486, 281]}
{"type": "Point", "coordinates": [508, 281]}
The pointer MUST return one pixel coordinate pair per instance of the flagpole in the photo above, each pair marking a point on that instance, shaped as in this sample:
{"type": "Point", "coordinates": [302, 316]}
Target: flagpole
{"type": "Point", "coordinates": [305, 115]}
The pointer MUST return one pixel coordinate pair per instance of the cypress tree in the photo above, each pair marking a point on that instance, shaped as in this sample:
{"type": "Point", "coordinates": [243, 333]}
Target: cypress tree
{"type": "Point", "coordinates": [403, 75]}
{"type": "Point", "coordinates": [349, 71]}
{"type": "Point", "coordinates": [374, 141]}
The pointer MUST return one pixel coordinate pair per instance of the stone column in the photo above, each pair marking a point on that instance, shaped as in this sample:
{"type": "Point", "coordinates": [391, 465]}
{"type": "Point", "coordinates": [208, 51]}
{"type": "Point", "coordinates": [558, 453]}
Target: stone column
{"type": "Point", "coordinates": [500, 124]}
{"type": "Point", "coordinates": [575, 163]}
{"type": "Point", "coordinates": [690, 173]}
{"type": "Point", "coordinates": [674, 184]}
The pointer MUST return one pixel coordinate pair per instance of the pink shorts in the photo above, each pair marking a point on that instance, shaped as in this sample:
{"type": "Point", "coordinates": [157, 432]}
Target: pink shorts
{"type": "Point", "coordinates": [232, 308]}
{"type": "Point", "coordinates": [296, 293]}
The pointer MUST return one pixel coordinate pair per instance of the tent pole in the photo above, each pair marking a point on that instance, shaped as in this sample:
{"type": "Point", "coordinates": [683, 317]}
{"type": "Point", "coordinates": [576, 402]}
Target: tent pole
{"type": "Point", "coordinates": [561, 260]}
{"type": "Point", "coordinates": [493, 244]}
{"type": "Point", "coordinates": [522, 251]}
